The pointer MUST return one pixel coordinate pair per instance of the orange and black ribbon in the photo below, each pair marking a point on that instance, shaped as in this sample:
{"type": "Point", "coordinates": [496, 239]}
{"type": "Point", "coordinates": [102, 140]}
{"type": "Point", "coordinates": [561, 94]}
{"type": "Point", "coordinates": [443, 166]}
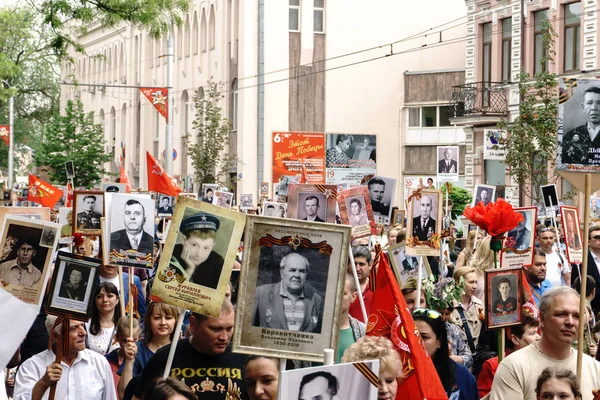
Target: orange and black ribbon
{"type": "Point", "coordinates": [295, 242]}
{"type": "Point", "coordinates": [367, 372]}
{"type": "Point", "coordinates": [373, 274]}
{"type": "Point", "coordinates": [327, 191]}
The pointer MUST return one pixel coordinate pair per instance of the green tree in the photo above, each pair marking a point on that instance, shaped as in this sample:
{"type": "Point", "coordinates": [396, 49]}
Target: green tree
{"type": "Point", "coordinates": [74, 137]}
{"type": "Point", "coordinates": [531, 141]}
{"type": "Point", "coordinates": [213, 136]}
{"type": "Point", "coordinates": [460, 199]}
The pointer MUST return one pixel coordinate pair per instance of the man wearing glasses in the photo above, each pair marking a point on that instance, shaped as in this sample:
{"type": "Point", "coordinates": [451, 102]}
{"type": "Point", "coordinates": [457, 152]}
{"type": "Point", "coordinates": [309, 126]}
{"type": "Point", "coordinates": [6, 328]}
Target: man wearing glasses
{"type": "Point", "coordinates": [558, 270]}
{"type": "Point", "coordinates": [593, 267]}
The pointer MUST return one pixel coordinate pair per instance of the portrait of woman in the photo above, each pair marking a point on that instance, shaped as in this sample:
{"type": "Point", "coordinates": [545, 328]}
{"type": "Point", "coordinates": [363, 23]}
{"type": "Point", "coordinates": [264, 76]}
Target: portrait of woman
{"type": "Point", "coordinates": [337, 157]}
{"type": "Point", "coordinates": [572, 234]}
{"type": "Point", "coordinates": [356, 216]}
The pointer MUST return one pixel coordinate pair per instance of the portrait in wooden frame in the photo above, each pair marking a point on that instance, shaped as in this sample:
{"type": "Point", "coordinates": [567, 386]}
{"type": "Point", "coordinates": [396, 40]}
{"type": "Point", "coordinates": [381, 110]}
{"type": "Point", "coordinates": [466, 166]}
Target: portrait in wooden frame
{"type": "Point", "coordinates": [423, 222]}
{"type": "Point", "coordinates": [275, 250]}
{"type": "Point", "coordinates": [73, 284]}
{"type": "Point", "coordinates": [88, 208]}
{"type": "Point", "coordinates": [356, 211]}
{"type": "Point", "coordinates": [200, 288]}
{"type": "Point", "coordinates": [398, 217]}
{"type": "Point", "coordinates": [573, 240]}
{"type": "Point", "coordinates": [25, 256]}
{"type": "Point", "coordinates": [503, 297]}
{"type": "Point", "coordinates": [517, 248]}
{"type": "Point", "coordinates": [305, 198]}
{"type": "Point", "coordinates": [406, 266]}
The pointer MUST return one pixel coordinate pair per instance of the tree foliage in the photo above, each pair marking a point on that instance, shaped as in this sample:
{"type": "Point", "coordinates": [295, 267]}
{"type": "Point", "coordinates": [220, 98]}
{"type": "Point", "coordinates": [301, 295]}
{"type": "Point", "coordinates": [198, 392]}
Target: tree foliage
{"type": "Point", "coordinates": [70, 18]}
{"type": "Point", "coordinates": [213, 135]}
{"type": "Point", "coordinates": [74, 137]}
{"type": "Point", "coordinates": [460, 199]}
{"type": "Point", "coordinates": [531, 143]}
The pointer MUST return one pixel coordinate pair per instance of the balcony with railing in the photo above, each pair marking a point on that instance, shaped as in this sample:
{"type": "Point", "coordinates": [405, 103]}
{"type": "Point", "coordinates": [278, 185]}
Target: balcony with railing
{"type": "Point", "coordinates": [479, 103]}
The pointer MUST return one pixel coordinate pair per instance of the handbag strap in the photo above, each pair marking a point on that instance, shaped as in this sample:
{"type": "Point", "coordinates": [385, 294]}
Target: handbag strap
{"type": "Point", "coordinates": [461, 312]}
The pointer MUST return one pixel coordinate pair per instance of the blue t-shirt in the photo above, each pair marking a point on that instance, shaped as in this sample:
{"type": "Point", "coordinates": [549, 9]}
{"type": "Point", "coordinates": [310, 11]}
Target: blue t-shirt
{"type": "Point", "coordinates": [466, 386]}
{"type": "Point", "coordinates": [141, 358]}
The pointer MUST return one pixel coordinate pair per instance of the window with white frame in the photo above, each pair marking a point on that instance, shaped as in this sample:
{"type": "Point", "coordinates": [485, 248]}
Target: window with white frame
{"type": "Point", "coordinates": [294, 15]}
{"type": "Point", "coordinates": [319, 16]}
{"type": "Point", "coordinates": [429, 116]}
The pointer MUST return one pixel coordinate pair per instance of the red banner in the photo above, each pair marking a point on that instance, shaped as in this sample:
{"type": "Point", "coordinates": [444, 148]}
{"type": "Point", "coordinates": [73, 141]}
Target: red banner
{"type": "Point", "coordinates": [5, 134]}
{"type": "Point", "coordinates": [299, 155]}
{"type": "Point", "coordinates": [158, 179]}
{"type": "Point", "coordinates": [69, 202]}
{"type": "Point", "coordinates": [158, 98]}
{"type": "Point", "coordinates": [43, 192]}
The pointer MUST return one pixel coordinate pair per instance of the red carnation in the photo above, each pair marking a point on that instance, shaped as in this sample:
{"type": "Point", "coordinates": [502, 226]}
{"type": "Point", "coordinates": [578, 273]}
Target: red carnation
{"type": "Point", "coordinates": [495, 218]}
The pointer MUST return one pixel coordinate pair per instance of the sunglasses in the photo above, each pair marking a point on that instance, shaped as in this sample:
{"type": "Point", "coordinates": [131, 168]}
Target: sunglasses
{"type": "Point", "coordinates": [427, 313]}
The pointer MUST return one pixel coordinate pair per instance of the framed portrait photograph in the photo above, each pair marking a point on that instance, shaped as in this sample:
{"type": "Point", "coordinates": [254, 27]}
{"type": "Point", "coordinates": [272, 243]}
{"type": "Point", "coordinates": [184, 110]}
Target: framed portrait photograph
{"type": "Point", "coordinates": [483, 194]}
{"type": "Point", "coordinates": [264, 189]}
{"type": "Point", "coordinates": [571, 228]}
{"type": "Point", "coordinates": [27, 247]}
{"type": "Point", "coordinates": [550, 196]}
{"type": "Point", "coordinates": [198, 256]}
{"type": "Point", "coordinates": [37, 213]}
{"type": "Point", "coordinates": [290, 256]}
{"type": "Point", "coordinates": [357, 380]}
{"type": "Point", "coordinates": [274, 209]}
{"type": "Point", "coordinates": [131, 227]}
{"type": "Point", "coordinates": [355, 210]}
{"type": "Point", "coordinates": [165, 205]}
{"type": "Point", "coordinates": [381, 192]}
{"type": "Point", "coordinates": [424, 222]}
{"type": "Point", "coordinates": [246, 201]}
{"type": "Point", "coordinates": [517, 249]}
{"type": "Point", "coordinates": [114, 187]}
{"type": "Point", "coordinates": [88, 207]}
{"type": "Point", "coordinates": [447, 163]}
{"type": "Point", "coordinates": [223, 199]}
{"type": "Point", "coordinates": [575, 150]}
{"type": "Point", "coordinates": [208, 192]}
{"type": "Point", "coordinates": [398, 217]}
{"type": "Point", "coordinates": [72, 287]}
{"type": "Point", "coordinates": [503, 300]}
{"type": "Point", "coordinates": [308, 202]}
{"type": "Point", "coordinates": [406, 266]}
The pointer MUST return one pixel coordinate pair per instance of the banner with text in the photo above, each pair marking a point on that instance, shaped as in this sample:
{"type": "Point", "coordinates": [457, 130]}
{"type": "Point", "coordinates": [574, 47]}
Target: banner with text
{"type": "Point", "coordinates": [299, 155]}
{"type": "Point", "coordinates": [350, 159]}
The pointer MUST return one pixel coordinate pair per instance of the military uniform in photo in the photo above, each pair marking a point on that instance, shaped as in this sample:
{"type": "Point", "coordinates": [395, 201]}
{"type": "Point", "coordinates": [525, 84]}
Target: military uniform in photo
{"type": "Point", "coordinates": [88, 220]}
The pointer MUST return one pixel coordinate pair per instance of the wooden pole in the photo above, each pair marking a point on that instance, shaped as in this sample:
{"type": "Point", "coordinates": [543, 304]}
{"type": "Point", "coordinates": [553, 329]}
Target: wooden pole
{"type": "Point", "coordinates": [174, 344]}
{"type": "Point", "coordinates": [584, 268]}
{"type": "Point", "coordinates": [61, 350]}
{"type": "Point", "coordinates": [130, 301]}
{"type": "Point", "coordinates": [419, 272]}
{"type": "Point", "coordinates": [359, 291]}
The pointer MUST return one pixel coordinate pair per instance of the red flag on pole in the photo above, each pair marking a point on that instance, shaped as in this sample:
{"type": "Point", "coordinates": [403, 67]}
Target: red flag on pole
{"type": "Point", "coordinates": [69, 202]}
{"type": "Point", "coordinates": [158, 98]}
{"type": "Point", "coordinates": [43, 192]}
{"type": "Point", "coordinates": [5, 134]}
{"type": "Point", "coordinates": [389, 317]}
{"type": "Point", "coordinates": [158, 179]}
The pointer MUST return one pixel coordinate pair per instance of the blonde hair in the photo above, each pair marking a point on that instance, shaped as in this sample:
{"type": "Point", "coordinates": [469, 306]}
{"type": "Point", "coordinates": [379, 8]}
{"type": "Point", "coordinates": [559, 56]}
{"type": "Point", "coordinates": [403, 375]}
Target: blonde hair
{"type": "Point", "coordinates": [372, 348]}
{"type": "Point", "coordinates": [162, 308]}
{"type": "Point", "coordinates": [484, 256]}
{"type": "Point", "coordinates": [463, 272]}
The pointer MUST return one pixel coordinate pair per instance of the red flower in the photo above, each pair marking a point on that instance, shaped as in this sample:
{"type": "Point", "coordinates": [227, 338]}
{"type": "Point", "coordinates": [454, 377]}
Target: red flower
{"type": "Point", "coordinates": [495, 218]}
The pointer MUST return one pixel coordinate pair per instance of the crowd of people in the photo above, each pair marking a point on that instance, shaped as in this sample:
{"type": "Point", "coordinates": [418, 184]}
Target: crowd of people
{"type": "Point", "coordinates": [112, 356]}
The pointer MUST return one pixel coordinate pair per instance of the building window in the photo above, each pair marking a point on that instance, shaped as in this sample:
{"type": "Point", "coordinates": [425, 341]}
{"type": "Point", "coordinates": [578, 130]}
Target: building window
{"type": "Point", "coordinates": [572, 36]}
{"type": "Point", "coordinates": [211, 29]}
{"type": "Point", "coordinates": [538, 50]}
{"type": "Point", "coordinates": [294, 23]}
{"type": "Point", "coordinates": [430, 116]}
{"type": "Point", "coordinates": [319, 16]}
{"type": "Point", "coordinates": [506, 48]}
{"type": "Point", "coordinates": [487, 52]}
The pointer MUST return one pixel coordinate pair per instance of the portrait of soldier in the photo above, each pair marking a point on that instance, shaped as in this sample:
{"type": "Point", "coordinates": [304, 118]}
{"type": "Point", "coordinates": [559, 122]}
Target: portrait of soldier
{"type": "Point", "coordinates": [423, 223]}
{"type": "Point", "coordinates": [580, 145]}
{"type": "Point", "coordinates": [74, 287]}
{"type": "Point", "coordinates": [504, 303]}
{"type": "Point", "coordinates": [289, 304]}
{"type": "Point", "coordinates": [89, 218]}
{"type": "Point", "coordinates": [376, 192]}
{"type": "Point", "coordinates": [448, 164]}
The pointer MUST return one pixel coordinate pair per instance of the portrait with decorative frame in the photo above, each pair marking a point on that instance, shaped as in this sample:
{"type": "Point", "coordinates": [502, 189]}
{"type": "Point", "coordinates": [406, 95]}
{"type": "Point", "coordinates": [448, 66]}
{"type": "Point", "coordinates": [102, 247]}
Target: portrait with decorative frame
{"type": "Point", "coordinates": [398, 217]}
{"type": "Point", "coordinates": [223, 199]}
{"type": "Point", "coordinates": [358, 380]}
{"type": "Point", "coordinates": [37, 213]}
{"type": "Point", "coordinates": [309, 202]}
{"type": "Point", "coordinates": [503, 297]}
{"type": "Point", "coordinates": [88, 208]}
{"type": "Point", "coordinates": [423, 222]}
{"type": "Point", "coordinates": [274, 209]}
{"type": "Point", "coordinates": [198, 280]}
{"type": "Point", "coordinates": [290, 256]}
{"type": "Point", "coordinates": [517, 248]}
{"type": "Point", "coordinates": [73, 284]}
{"type": "Point", "coordinates": [406, 266]}
{"type": "Point", "coordinates": [25, 256]}
{"type": "Point", "coordinates": [569, 217]}
{"type": "Point", "coordinates": [356, 211]}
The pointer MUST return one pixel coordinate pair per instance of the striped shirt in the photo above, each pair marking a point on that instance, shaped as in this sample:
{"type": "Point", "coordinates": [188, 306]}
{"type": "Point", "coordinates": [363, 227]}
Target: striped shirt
{"type": "Point", "coordinates": [293, 308]}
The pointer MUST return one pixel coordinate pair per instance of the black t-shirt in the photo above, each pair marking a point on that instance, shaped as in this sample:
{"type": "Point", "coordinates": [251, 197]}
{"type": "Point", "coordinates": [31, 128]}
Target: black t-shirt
{"type": "Point", "coordinates": [210, 377]}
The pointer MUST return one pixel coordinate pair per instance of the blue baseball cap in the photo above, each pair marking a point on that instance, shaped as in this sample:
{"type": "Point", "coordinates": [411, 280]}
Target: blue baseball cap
{"type": "Point", "coordinates": [198, 221]}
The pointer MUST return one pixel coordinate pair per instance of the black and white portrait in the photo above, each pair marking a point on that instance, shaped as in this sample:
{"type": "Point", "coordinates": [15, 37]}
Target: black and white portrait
{"type": "Point", "coordinates": [550, 196]}
{"type": "Point", "coordinates": [521, 238]}
{"type": "Point", "coordinates": [447, 162]}
{"type": "Point", "coordinates": [484, 194]}
{"type": "Point", "coordinates": [208, 192]}
{"type": "Point", "coordinates": [165, 205]}
{"type": "Point", "coordinates": [312, 207]}
{"type": "Point", "coordinates": [503, 299]}
{"type": "Point", "coordinates": [89, 208]}
{"type": "Point", "coordinates": [246, 201]}
{"type": "Point", "coordinates": [357, 212]}
{"type": "Point", "coordinates": [340, 381]}
{"type": "Point", "coordinates": [381, 191]}
{"type": "Point", "coordinates": [424, 223]}
{"type": "Point", "coordinates": [74, 282]}
{"type": "Point", "coordinates": [113, 187]}
{"type": "Point", "coordinates": [406, 266]}
{"type": "Point", "coordinates": [504, 294]}
{"type": "Point", "coordinates": [579, 111]}
{"type": "Point", "coordinates": [132, 230]}
{"type": "Point", "coordinates": [223, 199]}
{"type": "Point", "coordinates": [273, 209]}
{"type": "Point", "coordinates": [350, 151]}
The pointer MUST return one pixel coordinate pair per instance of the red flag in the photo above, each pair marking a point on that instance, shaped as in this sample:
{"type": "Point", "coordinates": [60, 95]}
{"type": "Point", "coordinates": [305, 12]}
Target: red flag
{"type": "Point", "coordinates": [69, 202]}
{"type": "Point", "coordinates": [389, 317]}
{"type": "Point", "coordinates": [158, 98]}
{"type": "Point", "coordinates": [158, 179]}
{"type": "Point", "coordinates": [43, 192]}
{"type": "Point", "coordinates": [4, 134]}
{"type": "Point", "coordinates": [123, 178]}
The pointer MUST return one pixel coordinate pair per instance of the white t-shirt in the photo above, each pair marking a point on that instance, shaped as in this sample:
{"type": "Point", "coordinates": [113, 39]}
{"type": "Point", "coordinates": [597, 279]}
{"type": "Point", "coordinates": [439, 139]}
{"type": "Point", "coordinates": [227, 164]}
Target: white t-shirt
{"type": "Point", "coordinates": [115, 281]}
{"type": "Point", "coordinates": [517, 374]}
{"type": "Point", "coordinates": [103, 342]}
{"type": "Point", "coordinates": [555, 268]}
